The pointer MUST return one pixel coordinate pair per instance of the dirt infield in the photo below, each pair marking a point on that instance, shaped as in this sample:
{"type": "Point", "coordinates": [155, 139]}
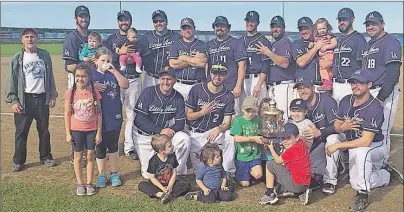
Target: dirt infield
{"type": "Point", "coordinates": [384, 199]}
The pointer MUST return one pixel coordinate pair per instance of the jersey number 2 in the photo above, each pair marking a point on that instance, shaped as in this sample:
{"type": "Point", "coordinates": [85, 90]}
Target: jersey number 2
{"type": "Point", "coordinates": [215, 118]}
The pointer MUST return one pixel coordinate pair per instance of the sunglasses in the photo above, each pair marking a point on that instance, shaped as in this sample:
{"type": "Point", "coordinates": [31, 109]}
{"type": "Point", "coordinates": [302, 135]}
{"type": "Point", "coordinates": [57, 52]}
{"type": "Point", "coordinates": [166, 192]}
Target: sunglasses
{"type": "Point", "coordinates": [218, 68]}
{"type": "Point", "coordinates": [158, 21]}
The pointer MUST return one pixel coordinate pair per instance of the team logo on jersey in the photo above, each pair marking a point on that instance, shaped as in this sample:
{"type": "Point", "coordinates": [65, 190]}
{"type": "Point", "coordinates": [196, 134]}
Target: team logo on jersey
{"type": "Point", "coordinates": [394, 55]}
{"type": "Point", "coordinates": [220, 49]}
{"type": "Point", "coordinates": [300, 79]}
{"type": "Point", "coordinates": [164, 44]}
{"type": "Point", "coordinates": [299, 51]}
{"type": "Point", "coordinates": [373, 123]}
{"type": "Point", "coordinates": [318, 117]}
{"type": "Point", "coordinates": [343, 48]}
{"type": "Point", "coordinates": [167, 109]}
{"type": "Point", "coordinates": [287, 53]}
{"type": "Point", "coordinates": [112, 94]}
{"type": "Point", "coordinates": [67, 53]}
{"type": "Point", "coordinates": [216, 104]}
{"type": "Point", "coordinates": [372, 50]}
{"type": "Point", "coordinates": [251, 48]}
{"type": "Point", "coordinates": [140, 105]}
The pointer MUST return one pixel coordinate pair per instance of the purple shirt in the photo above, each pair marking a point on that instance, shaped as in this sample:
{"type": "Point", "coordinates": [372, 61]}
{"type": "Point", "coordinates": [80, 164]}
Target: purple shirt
{"type": "Point", "coordinates": [311, 70]}
{"type": "Point", "coordinates": [230, 51]}
{"type": "Point", "coordinates": [255, 61]}
{"type": "Point", "coordinates": [282, 47]}
{"type": "Point", "coordinates": [72, 46]}
{"type": "Point", "coordinates": [378, 53]}
{"type": "Point", "coordinates": [369, 116]}
{"type": "Point", "coordinates": [115, 40]}
{"type": "Point", "coordinates": [180, 47]}
{"type": "Point", "coordinates": [348, 55]}
{"type": "Point", "coordinates": [200, 95]}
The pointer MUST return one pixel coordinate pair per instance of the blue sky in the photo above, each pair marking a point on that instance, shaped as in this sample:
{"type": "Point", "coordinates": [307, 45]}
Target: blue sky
{"type": "Point", "coordinates": [103, 14]}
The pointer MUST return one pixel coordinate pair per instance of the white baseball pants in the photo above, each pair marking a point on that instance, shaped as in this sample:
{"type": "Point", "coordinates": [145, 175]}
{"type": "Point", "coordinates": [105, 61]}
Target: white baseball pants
{"type": "Point", "coordinates": [340, 90]}
{"type": "Point", "coordinates": [331, 170]}
{"type": "Point", "coordinates": [283, 94]}
{"type": "Point", "coordinates": [249, 85]}
{"type": "Point", "coordinates": [70, 80]}
{"type": "Point", "coordinates": [183, 89]}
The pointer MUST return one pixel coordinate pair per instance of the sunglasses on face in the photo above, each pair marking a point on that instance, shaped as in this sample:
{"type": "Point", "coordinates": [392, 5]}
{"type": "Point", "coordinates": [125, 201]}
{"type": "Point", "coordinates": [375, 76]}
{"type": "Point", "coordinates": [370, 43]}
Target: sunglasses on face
{"type": "Point", "coordinates": [158, 21]}
{"type": "Point", "coordinates": [218, 68]}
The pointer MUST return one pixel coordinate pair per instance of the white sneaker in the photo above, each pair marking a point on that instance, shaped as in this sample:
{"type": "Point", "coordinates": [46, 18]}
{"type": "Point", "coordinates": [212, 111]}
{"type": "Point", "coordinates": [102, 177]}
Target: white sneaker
{"type": "Point", "coordinates": [122, 68]}
{"type": "Point", "coordinates": [138, 70]}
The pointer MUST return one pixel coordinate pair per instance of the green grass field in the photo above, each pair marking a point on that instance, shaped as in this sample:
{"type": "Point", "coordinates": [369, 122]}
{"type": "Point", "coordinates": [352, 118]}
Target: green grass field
{"type": "Point", "coordinates": [8, 50]}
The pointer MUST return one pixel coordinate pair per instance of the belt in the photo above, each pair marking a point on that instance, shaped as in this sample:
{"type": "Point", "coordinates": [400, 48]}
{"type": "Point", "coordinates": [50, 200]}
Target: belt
{"type": "Point", "coordinates": [144, 133]}
{"type": "Point", "coordinates": [281, 82]}
{"type": "Point", "coordinates": [153, 75]}
{"type": "Point", "coordinates": [340, 80]}
{"type": "Point", "coordinates": [375, 86]}
{"type": "Point", "coordinates": [132, 76]}
{"type": "Point", "coordinates": [196, 130]}
{"type": "Point", "coordinates": [34, 95]}
{"type": "Point", "coordinates": [248, 76]}
{"type": "Point", "coordinates": [189, 82]}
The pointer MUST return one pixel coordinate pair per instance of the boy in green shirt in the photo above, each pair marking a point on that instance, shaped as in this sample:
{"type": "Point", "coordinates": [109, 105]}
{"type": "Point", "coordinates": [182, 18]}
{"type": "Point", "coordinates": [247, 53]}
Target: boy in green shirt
{"type": "Point", "coordinates": [245, 130]}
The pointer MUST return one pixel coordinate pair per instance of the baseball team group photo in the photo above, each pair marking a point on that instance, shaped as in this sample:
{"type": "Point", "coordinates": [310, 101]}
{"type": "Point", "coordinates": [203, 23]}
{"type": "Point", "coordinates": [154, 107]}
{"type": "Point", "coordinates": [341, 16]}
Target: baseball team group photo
{"type": "Point", "coordinates": [177, 118]}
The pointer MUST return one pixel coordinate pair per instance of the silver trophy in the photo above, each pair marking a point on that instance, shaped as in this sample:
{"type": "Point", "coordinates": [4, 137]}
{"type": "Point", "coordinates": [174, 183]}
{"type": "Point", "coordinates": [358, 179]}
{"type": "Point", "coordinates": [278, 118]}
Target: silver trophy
{"type": "Point", "coordinates": [271, 118]}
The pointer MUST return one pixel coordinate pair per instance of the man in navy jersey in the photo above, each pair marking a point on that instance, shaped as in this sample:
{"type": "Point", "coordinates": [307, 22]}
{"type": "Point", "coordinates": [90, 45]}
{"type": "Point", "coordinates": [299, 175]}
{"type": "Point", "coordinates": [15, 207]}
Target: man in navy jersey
{"type": "Point", "coordinates": [209, 111]}
{"type": "Point", "coordinates": [188, 58]}
{"type": "Point", "coordinates": [72, 46]}
{"type": "Point", "coordinates": [231, 51]}
{"type": "Point", "coordinates": [360, 118]}
{"type": "Point", "coordinates": [347, 54]}
{"type": "Point", "coordinates": [160, 109]}
{"type": "Point", "coordinates": [155, 46]}
{"type": "Point", "coordinates": [116, 43]}
{"type": "Point", "coordinates": [257, 64]}
{"type": "Point", "coordinates": [280, 79]}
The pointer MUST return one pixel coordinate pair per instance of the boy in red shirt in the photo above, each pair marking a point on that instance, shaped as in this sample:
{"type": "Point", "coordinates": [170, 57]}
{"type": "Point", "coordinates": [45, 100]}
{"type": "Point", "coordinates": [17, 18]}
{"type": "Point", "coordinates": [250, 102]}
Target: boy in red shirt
{"type": "Point", "coordinates": [291, 169]}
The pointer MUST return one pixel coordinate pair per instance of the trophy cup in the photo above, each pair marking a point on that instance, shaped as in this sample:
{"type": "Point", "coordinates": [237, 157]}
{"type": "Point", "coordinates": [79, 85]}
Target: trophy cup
{"type": "Point", "coordinates": [271, 118]}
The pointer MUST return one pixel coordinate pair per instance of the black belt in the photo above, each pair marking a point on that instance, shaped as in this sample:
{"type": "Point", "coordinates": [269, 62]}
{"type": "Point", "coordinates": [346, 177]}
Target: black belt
{"type": "Point", "coordinates": [34, 95]}
{"type": "Point", "coordinates": [195, 130]}
{"type": "Point", "coordinates": [339, 80]}
{"type": "Point", "coordinates": [189, 82]}
{"type": "Point", "coordinates": [144, 133]}
{"type": "Point", "coordinates": [132, 76]}
{"type": "Point", "coordinates": [153, 75]}
{"type": "Point", "coordinates": [248, 76]}
{"type": "Point", "coordinates": [280, 82]}
{"type": "Point", "coordinates": [375, 86]}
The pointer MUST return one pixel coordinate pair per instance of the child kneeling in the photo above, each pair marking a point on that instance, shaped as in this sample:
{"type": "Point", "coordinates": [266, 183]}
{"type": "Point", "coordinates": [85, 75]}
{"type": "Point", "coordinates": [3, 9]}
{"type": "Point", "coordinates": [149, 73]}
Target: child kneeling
{"type": "Point", "coordinates": [162, 172]}
{"type": "Point", "coordinates": [211, 178]}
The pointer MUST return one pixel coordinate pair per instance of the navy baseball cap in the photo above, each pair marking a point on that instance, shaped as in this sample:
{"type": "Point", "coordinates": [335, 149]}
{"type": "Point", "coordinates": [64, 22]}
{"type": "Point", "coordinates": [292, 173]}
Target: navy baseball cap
{"type": "Point", "coordinates": [298, 104]}
{"type": "Point", "coordinates": [221, 20]}
{"type": "Point", "coordinates": [304, 22]}
{"type": "Point", "coordinates": [375, 17]}
{"type": "Point", "coordinates": [169, 72]}
{"type": "Point", "coordinates": [304, 81]}
{"type": "Point", "coordinates": [187, 22]}
{"type": "Point", "coordinates": [80, 10]}
{"type": "Point", "coordinates": [125, 14]}
{"type": "Point", "coordinates": [159, 15]}
{"type": "Point", "coordinates": [289, 129]}
{"type": "Point", "coordinates": [219, 67]}
{"type": "Point", "coordinates": [277, 21]}
{"type": "Point", "coordinates": [345, 13]}
{"type": "Point", "coordinates": [362, 75]}
{"type": "Point", "coordinates": [252, 16]}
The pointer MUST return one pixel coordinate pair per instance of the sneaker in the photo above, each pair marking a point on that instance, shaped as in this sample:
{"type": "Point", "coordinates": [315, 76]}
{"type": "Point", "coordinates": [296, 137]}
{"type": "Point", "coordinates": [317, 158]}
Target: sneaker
{"type": "Point", "coordinates": [138, 70]}
{"type": "Point", "coordinates": [359, 202]}
{"type": "Point", "coordinates": [17, 167]}
{"type": "Point", "coordinates": [329, 188]}
{"type": "Point", "coordinates": [271, 199]}
{"type": "Point", "coordinates": [166, 197]}
{"type": "Point", "coordinates": [90, 189]}
{"type": "Point", "coordinates": [122, 68]}
{"type": "Point", "coordinates": [191, 195]}
{"type": "Point", "coordinates": [48, 162]}
{"type": "Point", "coordinates": [115, 180]}
{"type": "Point", "coordinates": [101, 181]}
{"type": "Point", "coordinates": [394, 172]}
{"type": "Point", "coordinates": [279, 193]}
{"type": "Point", "coordinates": [231, 182]}
{"type": "Point", "coordinates": [133, 155]}
{"type": "Point", "coordinates": [81, 190]}
{"type": "Point", "coordinates": [304, 198]}
{"type": "Point", "coordinates": [316, 181]}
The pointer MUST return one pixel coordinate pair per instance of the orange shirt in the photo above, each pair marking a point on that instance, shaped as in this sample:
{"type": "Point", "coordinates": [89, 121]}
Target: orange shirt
{"type": "Point", "coordinates": [84, 115]}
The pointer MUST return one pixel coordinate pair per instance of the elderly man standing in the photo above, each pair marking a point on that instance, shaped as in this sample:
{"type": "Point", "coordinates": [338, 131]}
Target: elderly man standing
{"type": "Point", "coordinates": [32, 91]}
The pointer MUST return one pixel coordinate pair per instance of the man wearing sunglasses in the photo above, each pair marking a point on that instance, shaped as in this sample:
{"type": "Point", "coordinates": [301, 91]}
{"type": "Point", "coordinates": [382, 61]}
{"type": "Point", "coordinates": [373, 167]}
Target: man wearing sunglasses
{"type": "Point", "coordinates": [209, 110]}
{"type": "Point", "coordinates": [155, 47]}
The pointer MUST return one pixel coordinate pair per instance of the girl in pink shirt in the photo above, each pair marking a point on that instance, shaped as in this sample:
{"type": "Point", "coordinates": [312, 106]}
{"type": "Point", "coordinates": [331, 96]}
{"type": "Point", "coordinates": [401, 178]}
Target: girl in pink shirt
{"type": "Point", "coordinates": [83, 122]}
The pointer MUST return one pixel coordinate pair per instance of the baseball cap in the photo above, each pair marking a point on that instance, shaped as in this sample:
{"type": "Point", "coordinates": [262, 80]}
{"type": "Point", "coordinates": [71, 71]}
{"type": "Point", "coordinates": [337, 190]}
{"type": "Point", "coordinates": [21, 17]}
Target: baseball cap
{"type": "Point", "coordinates": [187, 22]}
{"type": "Point", "coordinates": [252, 16]}
{"type": "Point", "coordinates": [250, 102]}
{"type": "Point", "coordinates": [125, 14]}
{"type": "Point", "coordinates": [345, 13]}
{"type": "Point", "coordinates": [219, 67]}
{"type": "Point", "coordinates": [26, 30]}
{"type": "Point", "coordinates": [298, 104]}
{"type": "Point", "coordinates": [288, 130]}
{"type": "Point", "coordinates": [159, 13]}
{"type": "Point", "coordinates": [304, 22]}
{"type": "Point", "coordinates": [169, 72]}
{"type": "Point", "coordinates": [277, 21]}
{"type": "Point", "coordinates": [304, 81]}
{"type": "Point", "coordinates": [375, 17]}
{"type": "Point", "coordinates": [362, 75]}
{"type": "Point", "coordinates": [80, 10]}
{"type": "Point", "coordinates": [221, 20]}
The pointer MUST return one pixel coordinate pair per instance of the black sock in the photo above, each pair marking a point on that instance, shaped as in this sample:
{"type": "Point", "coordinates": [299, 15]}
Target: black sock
{"type": "Point", "coordinates": [269, 191]}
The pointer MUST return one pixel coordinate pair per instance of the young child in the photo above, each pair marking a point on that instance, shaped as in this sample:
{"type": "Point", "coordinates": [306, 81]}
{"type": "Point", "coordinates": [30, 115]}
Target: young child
{"type": "Point", "coordinates": [134, 51]}
{"type": "Point", "coordinates": [88, 51]}
{"type": "Point", "coordinates": [322, 30]}
{"type": "Point", "coordinates": [163, 181]}
{"type": "Point", "coordinates": [245, 130]}
{"type": "Point", "coordinates": [211, 178]}
{"type": "Point", "coordinates": [294, 176]}
{"type": "Point", "coordinates": [109, 82]}
{"type": "Point", "coordinates": [83, 122]}
{"type": "Point", "coordinates": [298, 111]}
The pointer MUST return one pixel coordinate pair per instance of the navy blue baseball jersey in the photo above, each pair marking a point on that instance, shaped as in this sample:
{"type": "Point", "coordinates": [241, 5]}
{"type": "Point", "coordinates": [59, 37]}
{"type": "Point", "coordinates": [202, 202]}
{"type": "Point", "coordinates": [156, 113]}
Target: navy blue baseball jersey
{"type": "Point", "coordinates": [155, 50]}
{"type": "Point", "coordinates": [180, 47]}
{"type": "Point", "coordinates": [323, 112]}
{"type": "Point", "coordinates": [200, 95]}
{"type": "Point", "coordinates": [348, 55]}
{"type": "Point", "coordinates": [282, 47]}
{"type": "Point", "coordinates": [111, 104]}
{"type": "Point", "coordinates": [230, 51]}
{"type": "Point", "coordinates": [115, 40]}
{"type": "Point", "coordinates": [255, 61]}
{"type": "Point", "coordinates": [72, 46]}
{"type": "Point", "coordinates": [368, 115]}
{"type": "Point", "coordinates": [155, 111]}
{"type": "Point", "coordinates": [378, 53]}
{"type": "Point", "coordinates": [311, 70]}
